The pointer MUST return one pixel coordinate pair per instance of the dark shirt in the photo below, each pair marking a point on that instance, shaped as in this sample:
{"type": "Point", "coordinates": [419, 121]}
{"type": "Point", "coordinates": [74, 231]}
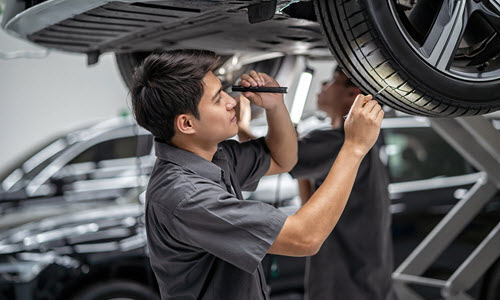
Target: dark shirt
{"type": "Point", "coordinates": [204, 240]}
{"type": "Point", "coordinates": [355, 261]}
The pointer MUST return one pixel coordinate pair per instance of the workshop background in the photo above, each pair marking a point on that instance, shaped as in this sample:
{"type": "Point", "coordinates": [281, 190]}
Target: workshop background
{"type": "Point", "coordinates": [45, 94]}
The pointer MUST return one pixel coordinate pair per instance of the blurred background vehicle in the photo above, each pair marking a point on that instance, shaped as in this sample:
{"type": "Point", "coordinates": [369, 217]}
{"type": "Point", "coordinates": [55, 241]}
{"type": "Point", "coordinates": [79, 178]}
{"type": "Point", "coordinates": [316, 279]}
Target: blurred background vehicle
{"type": "Point", "coordinates": [94, 165]}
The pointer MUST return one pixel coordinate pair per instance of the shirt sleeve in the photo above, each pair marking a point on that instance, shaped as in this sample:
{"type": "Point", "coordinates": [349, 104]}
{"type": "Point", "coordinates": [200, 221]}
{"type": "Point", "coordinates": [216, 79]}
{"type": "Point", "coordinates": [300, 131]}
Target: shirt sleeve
{"type": "Point", "coordinates": [250, 160]}
{"type": "Point", "coordinates": [237, 231]}
{"type": "Point", "coordinates": [317, 152]}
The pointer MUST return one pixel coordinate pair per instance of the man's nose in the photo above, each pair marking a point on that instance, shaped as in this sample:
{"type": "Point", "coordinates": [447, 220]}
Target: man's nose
{"type": "Point", "coordinates": [231, 102]}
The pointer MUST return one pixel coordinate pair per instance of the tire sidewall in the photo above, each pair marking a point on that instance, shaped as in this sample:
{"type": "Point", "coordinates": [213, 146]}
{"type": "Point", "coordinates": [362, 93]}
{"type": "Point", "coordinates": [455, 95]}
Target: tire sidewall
{"type": "Point", "coordinates": [417, 69]}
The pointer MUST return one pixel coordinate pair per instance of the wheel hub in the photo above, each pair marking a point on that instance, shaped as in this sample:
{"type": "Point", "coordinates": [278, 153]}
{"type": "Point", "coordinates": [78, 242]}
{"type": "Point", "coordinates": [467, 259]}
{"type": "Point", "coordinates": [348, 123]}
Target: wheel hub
{"type": "Point", "coordinates": [460, 38]}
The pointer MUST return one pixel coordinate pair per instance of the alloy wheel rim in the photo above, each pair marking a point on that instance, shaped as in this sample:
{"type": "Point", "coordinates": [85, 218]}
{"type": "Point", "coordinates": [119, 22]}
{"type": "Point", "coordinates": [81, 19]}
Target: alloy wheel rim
{"type": "Point", "coordinates": [460, 38]}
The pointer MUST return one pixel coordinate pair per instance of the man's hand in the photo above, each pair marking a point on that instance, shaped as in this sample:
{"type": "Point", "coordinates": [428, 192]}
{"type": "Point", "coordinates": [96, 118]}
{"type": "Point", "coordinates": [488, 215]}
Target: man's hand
{"type": "Point", "coordinates": [281, 138]}
{"type": "Point", "coordinates": [267, 101]}
{"type": "Point", "coordinates": [362, 125]}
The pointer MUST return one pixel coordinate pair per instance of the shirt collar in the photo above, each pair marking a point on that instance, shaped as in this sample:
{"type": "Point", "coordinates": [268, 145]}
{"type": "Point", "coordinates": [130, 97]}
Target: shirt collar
{"type": "Point", "coordinates": [191, 161]}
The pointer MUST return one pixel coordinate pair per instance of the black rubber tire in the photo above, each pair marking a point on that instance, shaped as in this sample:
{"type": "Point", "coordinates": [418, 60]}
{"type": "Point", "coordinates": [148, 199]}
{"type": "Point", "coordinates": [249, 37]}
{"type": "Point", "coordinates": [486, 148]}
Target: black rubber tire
{"type": "Point", "coordinates": [365, 39]}
{"type": "Point", "coordinates": [127, 62]}
{"type": "Point", "coordinates": [117, 289]}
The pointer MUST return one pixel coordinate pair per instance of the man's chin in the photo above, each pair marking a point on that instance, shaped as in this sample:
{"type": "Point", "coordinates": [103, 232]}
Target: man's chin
{"type": "Point", "coordinates": [233, 132]}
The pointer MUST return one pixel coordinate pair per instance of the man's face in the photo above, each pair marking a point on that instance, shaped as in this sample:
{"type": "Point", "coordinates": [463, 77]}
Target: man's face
{"type": "Point", "coordinates": [337, 95]}
{"type": "Point", "coordinates": [217, 115]}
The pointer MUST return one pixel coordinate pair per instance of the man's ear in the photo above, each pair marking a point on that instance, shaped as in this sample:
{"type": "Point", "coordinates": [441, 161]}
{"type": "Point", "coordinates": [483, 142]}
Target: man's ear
{"type": "Point", "coordinates": [184, 123]}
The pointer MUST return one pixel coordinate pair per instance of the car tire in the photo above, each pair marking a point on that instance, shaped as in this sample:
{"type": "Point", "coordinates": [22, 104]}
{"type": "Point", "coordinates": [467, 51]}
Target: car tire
{"type": "Point", "coordinates": [117, 289]}
{"type": "Point", "coordinates": [127, 62]}
{"type": "Point", "coordinates": [365, 38]}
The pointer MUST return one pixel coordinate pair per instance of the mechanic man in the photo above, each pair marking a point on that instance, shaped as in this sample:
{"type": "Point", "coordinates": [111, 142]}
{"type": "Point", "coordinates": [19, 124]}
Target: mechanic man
{"type": "Point", "coordinates": [355, 261]}
{"type": "Point", "coordinates": [205, 241]}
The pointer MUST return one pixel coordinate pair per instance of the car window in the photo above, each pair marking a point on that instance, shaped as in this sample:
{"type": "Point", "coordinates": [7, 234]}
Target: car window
{"type": "Point", "coordinates": [119, 148]}
{"type": "Point", "coordinates": [20, 178]}
{"type": "Point", "coordinates": [420, 153]}
{"type": "Point", "coordinates": [34, 155]}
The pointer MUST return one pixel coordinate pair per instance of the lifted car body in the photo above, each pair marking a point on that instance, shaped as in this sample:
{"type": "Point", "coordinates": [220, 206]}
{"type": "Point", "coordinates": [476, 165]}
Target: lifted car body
{"type": "Point", "coordinates": [438, 57]}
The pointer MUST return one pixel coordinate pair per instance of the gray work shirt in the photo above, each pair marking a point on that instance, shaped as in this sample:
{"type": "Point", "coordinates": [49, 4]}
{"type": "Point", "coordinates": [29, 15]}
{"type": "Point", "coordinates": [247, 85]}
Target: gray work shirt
{"type": "Point", "coordinates": [355, 261]}
{"type": "Point", "coordinates": [204, 240]}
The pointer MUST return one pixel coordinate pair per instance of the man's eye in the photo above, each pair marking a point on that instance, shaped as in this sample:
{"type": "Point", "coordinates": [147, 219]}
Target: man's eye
{"type": "Point", "coordinates": [218, 100]}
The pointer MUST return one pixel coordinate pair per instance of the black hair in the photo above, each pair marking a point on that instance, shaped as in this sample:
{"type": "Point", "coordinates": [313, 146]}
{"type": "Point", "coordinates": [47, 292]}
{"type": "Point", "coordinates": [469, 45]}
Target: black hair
{"type": "Point", "coordinates": [168, 84]}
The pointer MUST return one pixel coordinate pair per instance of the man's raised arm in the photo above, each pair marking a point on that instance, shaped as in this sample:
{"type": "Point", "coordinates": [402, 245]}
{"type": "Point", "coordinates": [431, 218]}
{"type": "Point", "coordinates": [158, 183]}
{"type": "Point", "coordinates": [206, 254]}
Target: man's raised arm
{"type": "Point", "coordinates": [304, 232]}
{"type": "Point", "coordinates": [281, 138]}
